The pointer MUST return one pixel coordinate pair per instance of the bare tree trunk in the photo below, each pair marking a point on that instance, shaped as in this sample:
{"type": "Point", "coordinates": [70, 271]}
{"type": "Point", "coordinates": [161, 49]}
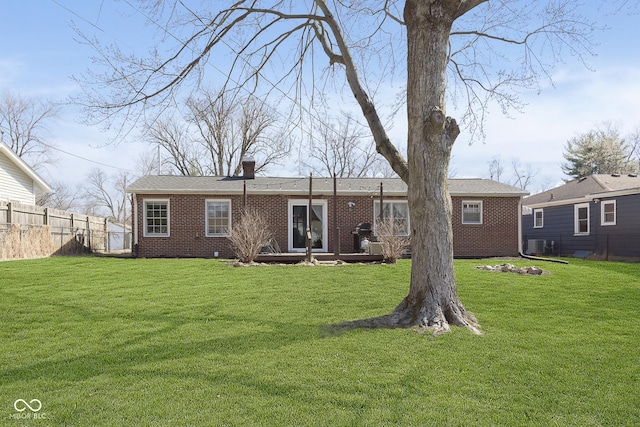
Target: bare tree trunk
{"type": "Point", "coordinates": [433, 298]}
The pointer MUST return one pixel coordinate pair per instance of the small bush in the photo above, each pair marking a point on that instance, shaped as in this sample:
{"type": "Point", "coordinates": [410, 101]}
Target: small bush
{"type": "Point", "coordinates": [249, 235]}
{"type": "Point", "coordinates": [392, 243]}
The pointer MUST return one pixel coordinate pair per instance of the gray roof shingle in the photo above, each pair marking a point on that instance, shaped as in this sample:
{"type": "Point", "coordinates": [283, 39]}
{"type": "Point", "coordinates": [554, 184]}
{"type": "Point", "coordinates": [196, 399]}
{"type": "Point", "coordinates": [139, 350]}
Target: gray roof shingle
{"type": "Point", "coordinates": [173, 184]}
{"type": "Point", "coordinates": [580, 188]}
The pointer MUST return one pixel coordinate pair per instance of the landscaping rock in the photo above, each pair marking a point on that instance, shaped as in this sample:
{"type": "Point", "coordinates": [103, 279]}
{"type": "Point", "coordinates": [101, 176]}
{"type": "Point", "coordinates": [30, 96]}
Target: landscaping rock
{"type": "Point", "coordinates": [510, 268]}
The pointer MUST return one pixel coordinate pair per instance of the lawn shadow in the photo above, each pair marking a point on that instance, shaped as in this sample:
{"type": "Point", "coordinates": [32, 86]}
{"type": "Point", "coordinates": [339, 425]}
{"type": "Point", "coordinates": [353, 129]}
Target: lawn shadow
{"type": "Point", "coordinates": [379, 322]}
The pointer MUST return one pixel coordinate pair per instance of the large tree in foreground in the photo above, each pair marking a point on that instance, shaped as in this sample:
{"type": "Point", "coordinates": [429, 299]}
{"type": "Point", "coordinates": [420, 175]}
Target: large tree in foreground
{"type": "Point", "coordinates": [418, 42]}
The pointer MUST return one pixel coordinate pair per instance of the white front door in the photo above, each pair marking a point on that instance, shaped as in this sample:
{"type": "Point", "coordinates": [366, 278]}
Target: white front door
{"type": "Point", "coordinates": [298, 220]}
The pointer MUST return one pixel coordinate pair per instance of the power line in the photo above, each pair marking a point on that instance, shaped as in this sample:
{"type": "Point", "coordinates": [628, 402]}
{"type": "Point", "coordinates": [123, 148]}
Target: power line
{"type": "Point", "coordinates": [85, 159]}
{"type": "Point", "coordinates": [265, 78]}
{"type": "Point", "coordinates": [304, 108]}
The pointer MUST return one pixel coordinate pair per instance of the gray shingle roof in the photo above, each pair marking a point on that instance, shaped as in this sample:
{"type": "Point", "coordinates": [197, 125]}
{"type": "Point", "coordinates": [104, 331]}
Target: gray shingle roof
{"type": "Point", "coordinates": [173, 184]}
{"type": "Point", "coordinates": [594, 185]}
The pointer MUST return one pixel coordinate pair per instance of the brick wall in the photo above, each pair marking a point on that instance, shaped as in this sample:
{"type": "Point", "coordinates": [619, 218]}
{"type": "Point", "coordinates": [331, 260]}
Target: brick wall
{"type": "Point", "coordinates": [497, 236]}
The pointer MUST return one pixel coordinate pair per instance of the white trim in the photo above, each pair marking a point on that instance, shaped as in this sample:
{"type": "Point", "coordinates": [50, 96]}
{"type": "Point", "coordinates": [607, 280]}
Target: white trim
{"type": "Point", "coordinates": [616, 193]}
{"type": "Point", "coordinates": [542, 218]}
{"type": "Point", "coordinates": [325, 223]}
{"type": "Point", "coordinates": [144, 218]}
{"type": "Point", "coordinates": [38, 182]}
{"type": "Point", "coordinates": [206, 217]}
{"type": "Point", "coordinates": [301, 192]}
{"type": "Point", "coordinates": [135, 219]}
{"type": "Point", "coordinates": [520, 248]}
{"type": "Point", "coordinates": [576, 223]}
{"type": "Point", "coordinates": [478, 202]}
{"type": "Point", "coordinates": [603, 221]}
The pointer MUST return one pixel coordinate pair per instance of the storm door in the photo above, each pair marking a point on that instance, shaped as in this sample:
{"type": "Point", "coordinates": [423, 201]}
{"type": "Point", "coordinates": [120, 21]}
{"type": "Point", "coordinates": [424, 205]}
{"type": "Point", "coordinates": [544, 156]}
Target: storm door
{"type": "Point", "coordinates": [298, 220]}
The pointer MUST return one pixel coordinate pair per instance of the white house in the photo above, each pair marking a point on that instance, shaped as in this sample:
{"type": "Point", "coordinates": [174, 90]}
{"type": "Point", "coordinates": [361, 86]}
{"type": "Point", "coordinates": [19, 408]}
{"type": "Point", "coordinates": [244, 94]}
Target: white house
{"type": "Point", "coordinates": [18, 181]}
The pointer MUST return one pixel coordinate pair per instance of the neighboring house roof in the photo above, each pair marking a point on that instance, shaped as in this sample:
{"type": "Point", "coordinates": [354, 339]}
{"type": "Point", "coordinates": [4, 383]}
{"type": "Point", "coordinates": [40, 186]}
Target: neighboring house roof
{"type": "Point", "coordinates": [585, 189]}
{"type": "Point", "coordinates": [39, 185]}
{"type": "Point", "coordinates": [172, 184]}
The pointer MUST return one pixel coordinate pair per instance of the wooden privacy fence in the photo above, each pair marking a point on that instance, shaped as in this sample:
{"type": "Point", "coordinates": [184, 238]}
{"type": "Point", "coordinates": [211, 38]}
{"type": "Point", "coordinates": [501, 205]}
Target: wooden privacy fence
{"type": "Point", "coordinates": [28, 231]}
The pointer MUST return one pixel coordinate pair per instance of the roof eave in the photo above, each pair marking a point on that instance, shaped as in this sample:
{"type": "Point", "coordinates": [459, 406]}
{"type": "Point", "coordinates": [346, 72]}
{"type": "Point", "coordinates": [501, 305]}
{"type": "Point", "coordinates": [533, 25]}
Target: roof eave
{"type": "Point", "coordinates": [572, 201]}
{"type": "Point", "coordinates": [24, 167]}
{"type": "Point", "coordinates": [616, 193]}
{"type": "Point", "coordinates": [488, 194]}
{"type": "Point", "coordinates": [263, 192]}
{"type": "Point", "coordinates": [306, 192]}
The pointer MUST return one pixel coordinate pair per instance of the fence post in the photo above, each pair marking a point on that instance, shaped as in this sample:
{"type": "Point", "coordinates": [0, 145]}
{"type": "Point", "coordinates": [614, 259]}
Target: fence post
{"type": "Point", "coordinates": [88, 226]}
{"type": "Point", "coordinates": [106, 236]}
{"type": "Point", "coordinates": [46, 216]}
{"type": "Point", "coordinates": [9, 212]}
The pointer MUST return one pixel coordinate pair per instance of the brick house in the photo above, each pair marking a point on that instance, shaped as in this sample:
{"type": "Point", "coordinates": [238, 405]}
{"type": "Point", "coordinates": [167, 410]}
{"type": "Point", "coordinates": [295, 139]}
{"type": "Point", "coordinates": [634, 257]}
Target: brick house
{"type": "Point", "coordinates": [180, 216]}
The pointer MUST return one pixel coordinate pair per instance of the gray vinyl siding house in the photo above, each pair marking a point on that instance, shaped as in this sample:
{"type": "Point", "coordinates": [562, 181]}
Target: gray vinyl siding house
{"type": "Point", "coordinates": [597, 216]}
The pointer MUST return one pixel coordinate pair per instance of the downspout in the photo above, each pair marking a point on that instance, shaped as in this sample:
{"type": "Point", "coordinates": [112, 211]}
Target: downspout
{"type": "Point", "coordinates": [522, 255]}
{"type": "Point", "coordinates": [520, 225]}
{"type": "Point", "coordinates": [135, 225]}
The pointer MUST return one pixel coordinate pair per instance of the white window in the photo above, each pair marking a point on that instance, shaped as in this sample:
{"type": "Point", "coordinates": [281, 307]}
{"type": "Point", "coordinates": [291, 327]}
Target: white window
{"type": "Point", "coordinates": [156, 218]}
{"type": "Point", "coordinates": [581, 219]}
{"type": "Point", "coordinates": [218, 217]}
{"type": "Point", "coordinates": [472, 212]}
{"type": "Point", "coordinates": [608, 212]}
{"type": "Point", "coordinates": [538, 218]}
{"type": "Point", "coordinates": [396, 210]}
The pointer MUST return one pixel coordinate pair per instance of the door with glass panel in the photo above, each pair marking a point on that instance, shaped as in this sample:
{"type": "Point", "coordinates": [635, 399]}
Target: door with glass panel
{"type": "Point", "coordinates": [299, 219]}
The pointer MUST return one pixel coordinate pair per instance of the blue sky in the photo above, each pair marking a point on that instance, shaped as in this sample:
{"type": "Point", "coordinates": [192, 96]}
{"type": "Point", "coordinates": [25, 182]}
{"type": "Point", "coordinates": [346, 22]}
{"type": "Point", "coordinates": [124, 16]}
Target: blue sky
{"type": "Point", "coordinates": [39, 53]}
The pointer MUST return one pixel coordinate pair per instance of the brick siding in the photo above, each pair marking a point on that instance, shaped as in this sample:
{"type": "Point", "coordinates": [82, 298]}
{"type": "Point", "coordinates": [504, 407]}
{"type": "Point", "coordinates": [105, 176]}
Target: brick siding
{"type": "Point", "coordinates": [497, 236]}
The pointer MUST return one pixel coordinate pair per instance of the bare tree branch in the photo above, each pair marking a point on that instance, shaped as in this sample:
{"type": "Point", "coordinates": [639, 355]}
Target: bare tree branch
{"type": "Point", "coordinates": [383, 143]}
{"type": "Point", "coordinates": [23, 126]}
{"type": "Point", "coordinates": [342, 148]}
{"type": "Point", "coordinates": [217, 131]}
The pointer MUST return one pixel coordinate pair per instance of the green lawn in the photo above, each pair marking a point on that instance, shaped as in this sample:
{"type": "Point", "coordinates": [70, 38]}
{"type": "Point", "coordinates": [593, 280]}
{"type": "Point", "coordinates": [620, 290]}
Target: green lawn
{"type": "Point", "coordinates": [119, 342]}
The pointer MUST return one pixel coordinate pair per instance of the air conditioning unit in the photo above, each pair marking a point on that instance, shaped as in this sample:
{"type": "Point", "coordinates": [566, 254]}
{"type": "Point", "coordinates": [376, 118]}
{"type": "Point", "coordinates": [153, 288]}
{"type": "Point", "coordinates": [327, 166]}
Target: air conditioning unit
{"type": "Point", "coordinates": [536, 246]}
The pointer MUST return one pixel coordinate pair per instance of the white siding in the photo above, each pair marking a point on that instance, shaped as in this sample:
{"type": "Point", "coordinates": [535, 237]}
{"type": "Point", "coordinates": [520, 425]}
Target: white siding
{"type": "Point", "coordinates": [15, 185]}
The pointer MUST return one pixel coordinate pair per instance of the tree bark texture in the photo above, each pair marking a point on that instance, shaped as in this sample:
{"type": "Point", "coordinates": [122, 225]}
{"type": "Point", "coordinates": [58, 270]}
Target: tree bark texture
{"type": "Point", "coordinates": [433, 300]}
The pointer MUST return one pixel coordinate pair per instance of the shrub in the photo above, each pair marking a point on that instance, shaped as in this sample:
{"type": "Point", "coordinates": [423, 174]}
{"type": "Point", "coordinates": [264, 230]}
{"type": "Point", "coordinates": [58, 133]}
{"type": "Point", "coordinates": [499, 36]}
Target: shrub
{"type": "Point", "coordinates": [249, 235]}
{"type": "Point", "coordinates": [392, 242]}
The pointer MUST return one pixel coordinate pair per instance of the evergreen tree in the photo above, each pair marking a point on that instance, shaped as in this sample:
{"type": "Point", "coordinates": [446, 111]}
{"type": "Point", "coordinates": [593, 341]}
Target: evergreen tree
{"type": "Point", "coordinates": [600, 151]}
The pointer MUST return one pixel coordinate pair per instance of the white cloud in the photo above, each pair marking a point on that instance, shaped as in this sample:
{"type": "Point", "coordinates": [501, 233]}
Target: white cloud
{"type": "Point", "coordinates": [9, 70]}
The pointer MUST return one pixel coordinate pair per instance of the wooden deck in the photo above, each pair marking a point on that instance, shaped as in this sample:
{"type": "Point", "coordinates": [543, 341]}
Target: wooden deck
{"type": "Point", "coordinates": [293, 258]}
